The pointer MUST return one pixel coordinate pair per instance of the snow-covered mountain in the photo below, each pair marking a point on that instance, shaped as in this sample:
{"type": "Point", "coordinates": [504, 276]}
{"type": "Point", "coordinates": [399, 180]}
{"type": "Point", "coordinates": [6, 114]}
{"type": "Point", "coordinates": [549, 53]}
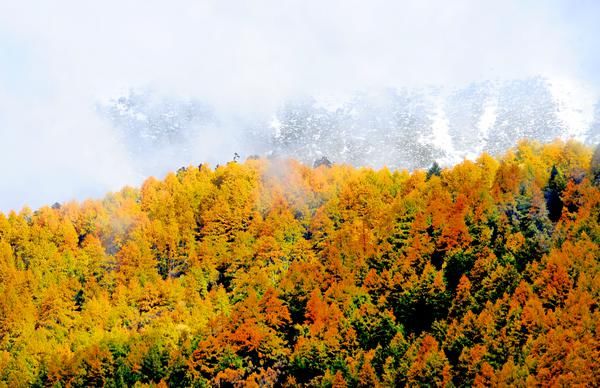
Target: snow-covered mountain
{"type": "Point", "coordinates": [400, 128]}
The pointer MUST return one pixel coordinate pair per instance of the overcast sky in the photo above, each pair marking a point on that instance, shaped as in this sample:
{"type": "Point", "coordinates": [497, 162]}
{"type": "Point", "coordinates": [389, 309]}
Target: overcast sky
{"type": "Point", "coordinates": [58, 58]}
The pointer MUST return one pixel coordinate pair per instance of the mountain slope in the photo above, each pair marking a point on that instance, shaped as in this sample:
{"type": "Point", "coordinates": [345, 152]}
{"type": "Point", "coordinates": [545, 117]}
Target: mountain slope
{"type": "Point", "coordinates": [400, 128]}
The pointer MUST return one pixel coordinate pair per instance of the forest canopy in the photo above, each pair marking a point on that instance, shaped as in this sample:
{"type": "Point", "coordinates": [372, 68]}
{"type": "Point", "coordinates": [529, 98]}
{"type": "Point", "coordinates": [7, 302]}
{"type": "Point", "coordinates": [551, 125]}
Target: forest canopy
{"type": "Point", "coordinates": [271, 272]}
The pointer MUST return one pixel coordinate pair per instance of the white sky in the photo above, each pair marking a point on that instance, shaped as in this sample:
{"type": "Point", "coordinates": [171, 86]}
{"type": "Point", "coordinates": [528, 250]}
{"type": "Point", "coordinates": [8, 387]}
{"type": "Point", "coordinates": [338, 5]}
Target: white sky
{"type": "Point", "coordinates": [57, 58]}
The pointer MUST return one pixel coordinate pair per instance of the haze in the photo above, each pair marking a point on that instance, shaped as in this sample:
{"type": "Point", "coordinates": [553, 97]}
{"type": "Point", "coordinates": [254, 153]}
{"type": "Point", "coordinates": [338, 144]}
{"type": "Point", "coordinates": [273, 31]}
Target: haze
{"type": "Point", "coordinates": [59, 59]}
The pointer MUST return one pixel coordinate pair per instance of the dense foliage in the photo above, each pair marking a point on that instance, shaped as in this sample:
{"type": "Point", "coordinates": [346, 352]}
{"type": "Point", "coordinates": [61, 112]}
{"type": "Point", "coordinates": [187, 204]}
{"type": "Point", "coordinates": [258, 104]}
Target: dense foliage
{"type": "Point", "coordinates": [270, 272]}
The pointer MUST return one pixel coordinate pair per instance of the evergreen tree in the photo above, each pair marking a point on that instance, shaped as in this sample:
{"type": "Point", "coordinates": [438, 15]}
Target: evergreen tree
{"type": "Point", "coordinates": [595, 166]}
{"type": "Point", "coordinates": [435, 169]}
{"type": "Point", "coordinates": [553, 191]}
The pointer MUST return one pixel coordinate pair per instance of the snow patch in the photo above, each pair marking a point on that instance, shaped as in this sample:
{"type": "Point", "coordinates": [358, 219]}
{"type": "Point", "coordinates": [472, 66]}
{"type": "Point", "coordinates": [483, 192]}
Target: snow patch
{"type": "Point", "coordinates": [487, 119]}
{"type": "Point", "coordinates": [575, 104]}
{"type": "Point", "coordinates": [440, 134]}
{"type": "Point", "coordinates": [484, 125]}
{"type": "Point", "coordinates": [275, 124]}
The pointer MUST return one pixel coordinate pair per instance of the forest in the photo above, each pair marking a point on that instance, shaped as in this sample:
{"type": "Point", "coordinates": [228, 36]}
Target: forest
{"type": "Point", "coordinates": [269, 272]}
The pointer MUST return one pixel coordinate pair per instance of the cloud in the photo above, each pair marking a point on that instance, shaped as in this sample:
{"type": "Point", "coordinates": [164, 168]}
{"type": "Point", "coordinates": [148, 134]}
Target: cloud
{"type": "Point", "coordinates": [243, 58]}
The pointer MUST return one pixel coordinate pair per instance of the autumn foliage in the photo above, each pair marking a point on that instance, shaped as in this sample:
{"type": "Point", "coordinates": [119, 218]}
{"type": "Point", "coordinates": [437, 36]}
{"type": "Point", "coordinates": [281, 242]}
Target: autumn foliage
{"type": "Point", "coordinates": [273, 273]}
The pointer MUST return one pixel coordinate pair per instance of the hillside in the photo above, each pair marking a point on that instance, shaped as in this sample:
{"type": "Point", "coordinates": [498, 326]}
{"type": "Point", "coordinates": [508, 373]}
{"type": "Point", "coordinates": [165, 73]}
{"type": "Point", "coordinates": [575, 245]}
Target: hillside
{"type": "Point", "coordinates": [270, 272]}
{"type": "Point", "coordinates": [406, 127]}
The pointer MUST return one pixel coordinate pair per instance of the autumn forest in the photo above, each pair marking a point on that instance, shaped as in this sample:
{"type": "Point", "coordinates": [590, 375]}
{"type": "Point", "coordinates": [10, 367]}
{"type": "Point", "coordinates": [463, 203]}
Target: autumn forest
{"type": "Point", "coordinates": [269, 272]}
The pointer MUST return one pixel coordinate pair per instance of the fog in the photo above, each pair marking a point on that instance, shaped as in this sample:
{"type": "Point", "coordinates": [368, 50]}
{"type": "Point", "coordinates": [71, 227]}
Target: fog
{"type": "Point", "coordinates": [59, 59]}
